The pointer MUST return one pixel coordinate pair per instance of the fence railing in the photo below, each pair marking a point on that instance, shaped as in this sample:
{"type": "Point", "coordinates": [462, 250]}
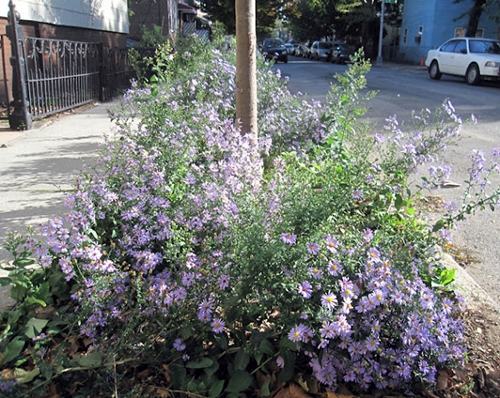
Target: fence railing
{"type": "Point", "coordinates": [5, 108]}
{"type": "Point", "coordinates": [60, 74]}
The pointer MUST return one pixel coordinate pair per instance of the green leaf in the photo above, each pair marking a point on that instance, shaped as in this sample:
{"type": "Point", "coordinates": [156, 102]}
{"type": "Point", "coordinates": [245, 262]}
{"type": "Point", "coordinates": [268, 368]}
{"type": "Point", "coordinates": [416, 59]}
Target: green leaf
{"type": "Point", "coordinates": [211, 369]}
{"type": "Point", "coordinates": [438, 226]}
{"type": "Point", "coordinates": [287, 372]}
{"type": "Point", "coordinates": [266, 347]}
{"type": "Point", "coordinates": [178, 376]}
{"type": "Point", "coordinates": [29, 376]}
{"type": "Point", "coordinates": [222, 341]}
{"type": "Point", "coordinates": [398, 202]}
{"type": "Point", "coordinates": [5, 281]}
{"type": "Point", "coordinates": [240, 380]}
{"type": "Point", "coordinates": [205, 362]}
{"type": "Point", "coordinates": [23, 262]}
{"type": "Point", "coordinates": [17, 292]}
{"type": "Point", "coordinates": [34, 327]}
{"type": "Point", "coordinates": [12, 350]}
{"type": "Point", "coordinates": [265, 389]}
{"type": "Point", "coordinates": [216, 389]}
{"type": "Point", "coordinates": [34, 300]}
{"type": "Point", "coordinates": [241, 360]}
{"type": "Point", "coordinates": [91, 360]}
{"type": "Point", "coordinates": [287, 344]}
{"type": "Point", "coordinates": [447, 276]}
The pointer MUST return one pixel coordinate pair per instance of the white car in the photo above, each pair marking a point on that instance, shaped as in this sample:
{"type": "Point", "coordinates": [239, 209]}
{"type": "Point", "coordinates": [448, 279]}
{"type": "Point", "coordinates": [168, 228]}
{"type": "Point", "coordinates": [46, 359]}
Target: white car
{"type": "Point", "coordinates": [475, 59]}
{"type": "Point", "coordinates": [320, 50]}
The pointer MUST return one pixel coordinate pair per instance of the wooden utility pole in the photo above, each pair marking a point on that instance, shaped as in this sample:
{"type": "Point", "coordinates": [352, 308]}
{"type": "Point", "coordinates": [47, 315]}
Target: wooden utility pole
{"type": "Point", "coordinates": [246, 68]}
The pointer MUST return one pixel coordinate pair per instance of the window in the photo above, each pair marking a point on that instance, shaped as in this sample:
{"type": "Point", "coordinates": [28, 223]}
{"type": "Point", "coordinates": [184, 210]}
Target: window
{"type": "Point", "coordinates": [461, 47]}
{"type": "Point", "coordinates": [405, 36]}
{"type": "Point", "coordinates": [449, 47]}
{"type": "Point", "coordinates": [480, 46]}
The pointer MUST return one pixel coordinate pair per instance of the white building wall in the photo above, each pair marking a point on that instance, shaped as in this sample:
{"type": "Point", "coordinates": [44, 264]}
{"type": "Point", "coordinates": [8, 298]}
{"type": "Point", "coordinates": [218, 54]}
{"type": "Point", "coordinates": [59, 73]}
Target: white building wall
{"type": "Point", "coordinates": [107, 15]}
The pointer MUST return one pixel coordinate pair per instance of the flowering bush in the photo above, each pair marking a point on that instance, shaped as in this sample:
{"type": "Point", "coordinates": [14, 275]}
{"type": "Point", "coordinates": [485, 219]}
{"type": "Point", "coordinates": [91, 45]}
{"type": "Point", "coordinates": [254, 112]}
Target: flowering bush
{"type": "Point", "coordinates": [183, 263]}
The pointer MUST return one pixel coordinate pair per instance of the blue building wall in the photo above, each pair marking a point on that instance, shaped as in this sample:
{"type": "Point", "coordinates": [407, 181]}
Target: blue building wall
{"type": "Point", "coordinates": [428, 23]}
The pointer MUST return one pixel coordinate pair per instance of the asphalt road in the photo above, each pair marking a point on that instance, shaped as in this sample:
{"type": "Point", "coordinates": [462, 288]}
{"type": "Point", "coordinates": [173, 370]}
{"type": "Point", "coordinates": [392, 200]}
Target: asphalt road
{"type": "Point", "coordinates": [403, 89]}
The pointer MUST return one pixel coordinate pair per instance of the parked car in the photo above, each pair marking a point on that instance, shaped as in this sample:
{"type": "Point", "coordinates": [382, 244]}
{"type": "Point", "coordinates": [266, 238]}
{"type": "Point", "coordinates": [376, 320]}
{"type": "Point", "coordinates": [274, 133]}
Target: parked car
{"type": "Point", "coordinates": [302, 51]}
{"type": "Point", "coordinates": [320, 50]}
{"type": "Point", "coordinates": [475, 59]}
{"type": "Point", "coordinates": [342, 53]}
{"type": "Point", "coordinates": [274, 49]}
{"type": "Point", "coordinates": [289, 48]}
{"type": "Point", "coordinates": [295, 49]}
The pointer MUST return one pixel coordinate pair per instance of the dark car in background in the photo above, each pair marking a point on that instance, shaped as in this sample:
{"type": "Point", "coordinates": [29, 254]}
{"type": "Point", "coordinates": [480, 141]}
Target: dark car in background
{"type": "Point", "coordinates": [342, 53]}
{"type": "Point", "coordinates": [274, 49]}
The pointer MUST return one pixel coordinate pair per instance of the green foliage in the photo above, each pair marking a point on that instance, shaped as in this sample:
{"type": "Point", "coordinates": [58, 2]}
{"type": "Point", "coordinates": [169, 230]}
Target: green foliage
{"type": "Point", "coordinates": [190, 277]}
{"type": "Point", "coordinates": [223, 11]}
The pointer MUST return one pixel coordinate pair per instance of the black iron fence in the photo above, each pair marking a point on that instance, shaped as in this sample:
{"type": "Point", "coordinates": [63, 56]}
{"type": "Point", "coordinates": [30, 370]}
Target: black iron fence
{"type": "Point", "coordinates": [5, 106]}
{"type": "Point", "coordinates": [60, 74]}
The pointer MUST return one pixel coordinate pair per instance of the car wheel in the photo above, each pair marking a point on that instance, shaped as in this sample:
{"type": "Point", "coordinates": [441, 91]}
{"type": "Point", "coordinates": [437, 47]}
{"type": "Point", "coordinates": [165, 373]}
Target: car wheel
{"type": "Point", "coordinates": [286, 60]}
{"type": "Point", "coordinates": [434, 72]}
{"type": "Point", "coordinates": [472, 75]}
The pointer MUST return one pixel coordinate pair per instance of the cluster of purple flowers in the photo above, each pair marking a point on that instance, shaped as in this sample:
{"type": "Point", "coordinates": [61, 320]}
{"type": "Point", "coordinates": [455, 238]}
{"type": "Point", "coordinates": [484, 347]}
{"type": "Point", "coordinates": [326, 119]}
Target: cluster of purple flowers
{"type": "Point", "coordinates": [376, 325]}
{"type": "Point", "coordinates": [166, 231]}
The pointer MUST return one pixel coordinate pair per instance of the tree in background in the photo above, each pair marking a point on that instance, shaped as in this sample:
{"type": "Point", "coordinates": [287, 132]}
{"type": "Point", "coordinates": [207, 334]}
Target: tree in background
{"type": "Point", "coordinates": [474, 14]}
{"type": "Point", "coordinates": [267, 12]}
{"type": "Point", "coordinates": [311, 19]}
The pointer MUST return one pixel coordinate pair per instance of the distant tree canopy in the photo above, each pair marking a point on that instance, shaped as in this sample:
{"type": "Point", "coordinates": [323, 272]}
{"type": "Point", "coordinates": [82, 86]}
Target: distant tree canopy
{"type": "Point", "coordinates": [267, 11]}
{"type": "Point", "coordinates": [351, 20]}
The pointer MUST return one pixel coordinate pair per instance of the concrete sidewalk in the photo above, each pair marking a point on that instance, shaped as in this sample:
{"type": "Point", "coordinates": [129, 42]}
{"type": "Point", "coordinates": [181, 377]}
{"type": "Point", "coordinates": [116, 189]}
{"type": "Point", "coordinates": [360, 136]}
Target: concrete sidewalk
{"type": "Point", "coordinates": [36, 165]}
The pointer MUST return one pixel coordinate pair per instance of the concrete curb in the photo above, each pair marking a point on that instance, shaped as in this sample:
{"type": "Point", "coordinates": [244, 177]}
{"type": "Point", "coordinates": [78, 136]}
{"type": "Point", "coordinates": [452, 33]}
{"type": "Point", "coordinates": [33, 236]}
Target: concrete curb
{"type": "Point", "coordinates": [475, 296]}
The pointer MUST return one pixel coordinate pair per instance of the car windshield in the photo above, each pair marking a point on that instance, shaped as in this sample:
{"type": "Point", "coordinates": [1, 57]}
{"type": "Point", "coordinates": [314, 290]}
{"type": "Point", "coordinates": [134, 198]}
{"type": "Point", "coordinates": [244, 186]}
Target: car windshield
{"type": "Point", "coordinates": [273, 43]}
{"type": "Point", "coordinates": [484, 46]}
{"type": "Point", "coordinates": [347, 49]}
{"type": "Point", "coordinates": [325, 45]}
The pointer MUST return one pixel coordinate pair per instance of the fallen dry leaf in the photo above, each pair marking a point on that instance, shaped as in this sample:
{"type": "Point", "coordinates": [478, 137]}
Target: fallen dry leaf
{"type": "Point", "coordinates": [442, 379]}
{"type": "Point", "coordinates": [292, 391]}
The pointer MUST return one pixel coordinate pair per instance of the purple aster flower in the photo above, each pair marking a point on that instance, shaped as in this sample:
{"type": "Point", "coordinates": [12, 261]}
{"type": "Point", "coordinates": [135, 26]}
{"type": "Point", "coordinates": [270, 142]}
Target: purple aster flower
{"type": "Point", "coordinates": [190, 179]}
{"type": "Point", "coordinates": [379, 138]}
{"type": "Point", "coordinates": [357, 194]}
{"type": "Point", "coordinates": [179, 345]}
{"type": "Point", "coordinates": [374, 254]}
{"type": "Point", "coordinates": [280, 362]}
{"type": "Point", "coordinates": [327, 331]}
{"type": "Point", "coordinates": [300, 333]}
{"type": "Point", "coordinates": [368, 235]}
{"type": "Point", "coordinates": [315, 273]}
{"type": "Point", "coordinates": [288, 238]}
{"type": "Point", "coordinates": [223, 282]}
{"type": "Point", "coordinates": [305, 289]}
{"type": "Point", "coordinates": [334, 267]}
{"type": "Point", "coordinates": [329, 300]}
{"type": "Point", "coordinates": [313, 248]}
{"type": "Point", "coordinates": [217, 325]}
{"type": "Point", "coordinates": [332, 244]}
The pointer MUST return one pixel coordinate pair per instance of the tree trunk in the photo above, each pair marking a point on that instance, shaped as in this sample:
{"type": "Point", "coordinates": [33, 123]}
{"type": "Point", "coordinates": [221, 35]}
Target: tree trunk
{"type": "Point", "coordinates": [474, 17]}
{"type": "Point", "coordinates": [246, 68]}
